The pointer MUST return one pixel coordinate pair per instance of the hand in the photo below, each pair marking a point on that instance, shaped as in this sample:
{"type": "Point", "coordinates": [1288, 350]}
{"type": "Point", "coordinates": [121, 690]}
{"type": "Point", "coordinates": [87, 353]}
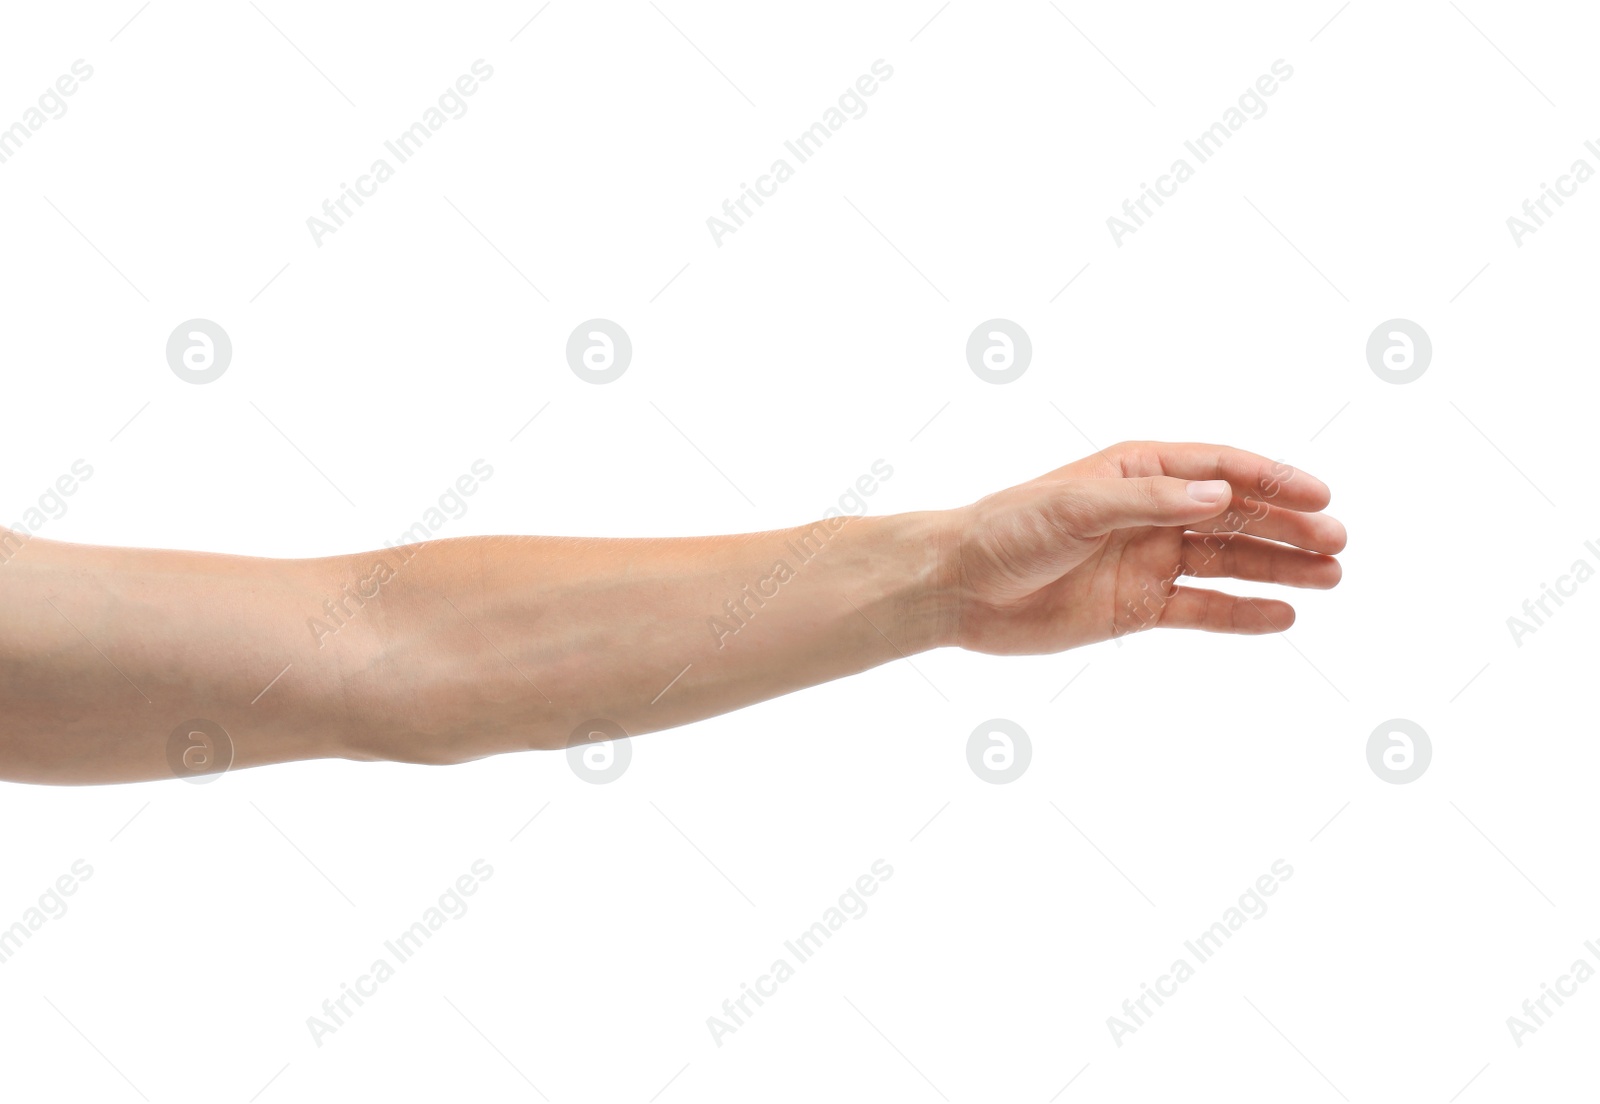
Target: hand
{"type": "Point", "coordinates": [1093, 550]}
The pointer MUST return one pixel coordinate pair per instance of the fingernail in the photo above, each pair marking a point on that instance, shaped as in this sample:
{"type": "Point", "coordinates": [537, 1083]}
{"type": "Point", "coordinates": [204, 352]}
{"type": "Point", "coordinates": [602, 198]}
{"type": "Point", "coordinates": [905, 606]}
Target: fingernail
{"type": "Point", "coordinates": [1209, 490]}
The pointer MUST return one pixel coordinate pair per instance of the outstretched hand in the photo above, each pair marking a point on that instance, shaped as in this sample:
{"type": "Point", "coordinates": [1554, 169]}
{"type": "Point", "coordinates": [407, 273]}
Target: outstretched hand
{"type": "Point", "coordinates": [1094, 550]}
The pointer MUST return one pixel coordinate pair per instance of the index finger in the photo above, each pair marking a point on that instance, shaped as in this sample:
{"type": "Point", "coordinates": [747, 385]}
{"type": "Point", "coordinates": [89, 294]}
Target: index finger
{"type": "Point", "coordinates": [1250, 475]}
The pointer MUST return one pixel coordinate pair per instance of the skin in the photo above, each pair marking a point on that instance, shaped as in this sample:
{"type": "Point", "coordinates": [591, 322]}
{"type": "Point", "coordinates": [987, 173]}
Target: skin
{"type": "Point", "coordinates": [453, 650]}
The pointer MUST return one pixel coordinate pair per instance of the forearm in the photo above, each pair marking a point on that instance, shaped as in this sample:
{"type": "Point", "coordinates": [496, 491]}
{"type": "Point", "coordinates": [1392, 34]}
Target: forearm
{"type": "Point", "coordinates": [445, 651]}
{"type": "Point", "coordinates": [514, 642]}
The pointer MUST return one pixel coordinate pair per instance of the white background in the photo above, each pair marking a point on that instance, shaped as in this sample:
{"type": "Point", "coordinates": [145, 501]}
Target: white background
{"type": "Point", "coordinates": [827, 333]}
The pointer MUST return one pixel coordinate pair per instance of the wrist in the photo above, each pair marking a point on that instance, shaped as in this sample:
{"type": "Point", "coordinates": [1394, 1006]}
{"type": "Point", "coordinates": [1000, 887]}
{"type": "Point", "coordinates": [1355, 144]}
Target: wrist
{"type": "Point", "coordinates": [921, 551]}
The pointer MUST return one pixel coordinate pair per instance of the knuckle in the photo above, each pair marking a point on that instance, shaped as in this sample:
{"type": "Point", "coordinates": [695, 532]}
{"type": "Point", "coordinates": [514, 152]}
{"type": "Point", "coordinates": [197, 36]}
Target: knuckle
{"type": "Point", "coordinates": [1152, 490]}
{"type": "Point", "coordinates": [1124, 449]}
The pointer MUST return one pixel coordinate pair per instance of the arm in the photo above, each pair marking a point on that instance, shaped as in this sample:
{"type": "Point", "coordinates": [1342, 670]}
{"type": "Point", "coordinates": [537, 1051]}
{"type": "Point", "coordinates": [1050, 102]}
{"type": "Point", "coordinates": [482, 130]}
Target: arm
{"type": "Point", "coordinates": [456, 649]}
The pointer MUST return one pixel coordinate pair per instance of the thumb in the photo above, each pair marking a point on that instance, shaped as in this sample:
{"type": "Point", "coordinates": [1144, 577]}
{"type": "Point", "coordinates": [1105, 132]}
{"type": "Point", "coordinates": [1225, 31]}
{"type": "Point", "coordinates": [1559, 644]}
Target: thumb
{"type": "Point", "coordinates": [1106, 504]}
